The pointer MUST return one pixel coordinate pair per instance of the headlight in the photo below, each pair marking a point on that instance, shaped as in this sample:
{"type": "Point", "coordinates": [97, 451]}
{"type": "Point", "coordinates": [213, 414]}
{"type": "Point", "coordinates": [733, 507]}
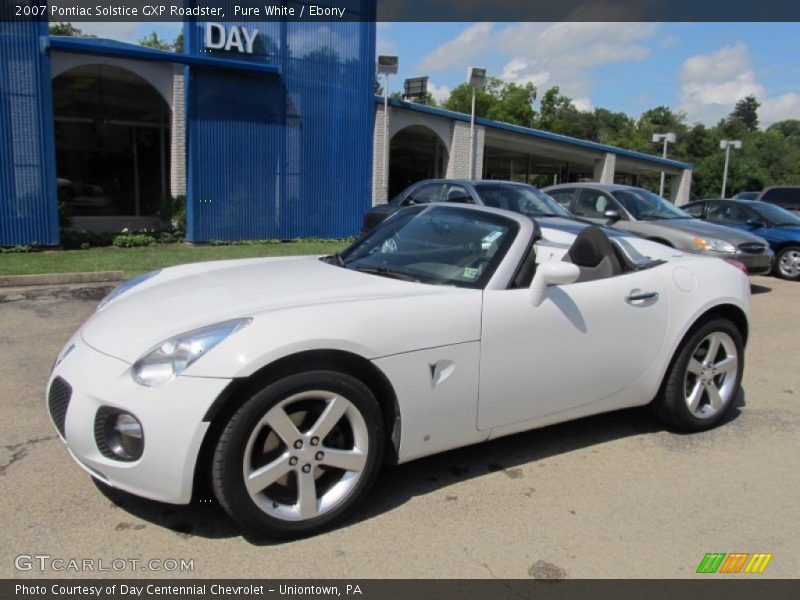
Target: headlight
{"type": "Point", "coordinates": [176, 354]}
{"type": "Point", "coordinates": [125, 286]}
{"type": "Point", "coordinates": [713, 245]}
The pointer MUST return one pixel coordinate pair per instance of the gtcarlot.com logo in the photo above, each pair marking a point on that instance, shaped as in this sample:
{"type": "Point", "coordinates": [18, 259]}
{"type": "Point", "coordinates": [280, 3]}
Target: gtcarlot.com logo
{"type": "Point", "coordinates": [46, 562]}
{"type": "Point", "coordinates": [736, 562]}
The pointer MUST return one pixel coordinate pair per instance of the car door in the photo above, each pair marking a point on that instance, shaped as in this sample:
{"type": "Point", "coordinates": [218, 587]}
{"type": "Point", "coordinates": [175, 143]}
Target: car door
{"type": "Point", "coordinates": [586, 341]}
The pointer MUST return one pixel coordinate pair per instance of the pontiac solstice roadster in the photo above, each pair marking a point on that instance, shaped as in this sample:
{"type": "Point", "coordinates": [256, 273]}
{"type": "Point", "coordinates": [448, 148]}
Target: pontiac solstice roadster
{"type": "Point", "coordinates": [289, 381]}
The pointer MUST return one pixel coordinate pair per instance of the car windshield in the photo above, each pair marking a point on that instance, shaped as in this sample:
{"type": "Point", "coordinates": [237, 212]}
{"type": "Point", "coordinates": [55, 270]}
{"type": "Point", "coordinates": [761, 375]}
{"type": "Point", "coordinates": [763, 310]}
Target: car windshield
{"type": "Point", "coordinates": [775, 214]}
{"type": "Point", "coordinates": [521, 199]}
{"type": "Point", "coordinates": [647, 206]}
{"type": "Point", "coordinates": [441, 245]}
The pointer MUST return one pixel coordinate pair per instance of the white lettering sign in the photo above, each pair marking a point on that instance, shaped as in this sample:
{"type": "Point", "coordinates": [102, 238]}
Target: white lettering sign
{"type": "Point", "coordinates": [236, 37]}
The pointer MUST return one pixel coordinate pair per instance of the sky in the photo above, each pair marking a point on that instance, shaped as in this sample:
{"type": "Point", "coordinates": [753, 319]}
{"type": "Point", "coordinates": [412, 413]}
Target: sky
{"type": "Point", "coordinates": [701, 69]}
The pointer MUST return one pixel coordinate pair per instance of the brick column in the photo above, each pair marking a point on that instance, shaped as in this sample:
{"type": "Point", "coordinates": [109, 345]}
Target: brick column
{"type": "Point", "coordinates": [379, 193]}
{"type": "Point", "coordinates": [177, 170]}
{"type": "Point", "coordinates": [681, 187]}
{"type": "Point", "coordinates": [605, 168]}
{"type": "Point", "coordinates": [458, 165]}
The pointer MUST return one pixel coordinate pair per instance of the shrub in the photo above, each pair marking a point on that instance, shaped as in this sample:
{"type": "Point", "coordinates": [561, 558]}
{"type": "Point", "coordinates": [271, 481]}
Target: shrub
{"type": "Point", "coordinates": [18, 249]}
{"type": "Point", "coordinates": [134, 240]}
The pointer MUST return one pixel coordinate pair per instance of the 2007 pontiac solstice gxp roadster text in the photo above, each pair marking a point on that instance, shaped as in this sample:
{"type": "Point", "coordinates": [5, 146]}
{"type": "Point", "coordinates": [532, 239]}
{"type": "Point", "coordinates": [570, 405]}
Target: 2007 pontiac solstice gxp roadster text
{"type": "Point", "coordinates": [291, 380]}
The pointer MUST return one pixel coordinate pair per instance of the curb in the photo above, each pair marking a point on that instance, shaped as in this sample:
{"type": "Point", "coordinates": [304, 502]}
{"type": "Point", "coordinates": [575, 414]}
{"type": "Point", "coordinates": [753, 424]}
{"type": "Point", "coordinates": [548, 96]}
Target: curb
{"type": "Point", "coordinates": [60, 278]}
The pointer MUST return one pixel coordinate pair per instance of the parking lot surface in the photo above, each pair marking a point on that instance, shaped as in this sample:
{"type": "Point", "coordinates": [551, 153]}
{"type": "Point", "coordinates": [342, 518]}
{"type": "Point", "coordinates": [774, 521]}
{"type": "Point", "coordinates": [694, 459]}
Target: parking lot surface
{"type": "Point", "coordinates": [609, 496]}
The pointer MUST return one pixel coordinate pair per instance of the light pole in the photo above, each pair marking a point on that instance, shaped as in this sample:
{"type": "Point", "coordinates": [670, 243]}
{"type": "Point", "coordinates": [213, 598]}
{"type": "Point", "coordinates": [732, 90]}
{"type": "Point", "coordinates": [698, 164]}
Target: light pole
{"type": "Point", "coordinates": [387, 65]}
{"type": "Point", "coordinates": [727, 145]}
{"type": "Point", "coordinates": [476, 77]}
{"type": "Point", "coordinates": [669, 138]}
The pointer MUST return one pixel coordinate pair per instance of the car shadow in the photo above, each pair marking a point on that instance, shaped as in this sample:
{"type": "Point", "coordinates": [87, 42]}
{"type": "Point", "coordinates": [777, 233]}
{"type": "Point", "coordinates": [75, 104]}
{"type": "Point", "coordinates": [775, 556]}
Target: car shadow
{"type": "Point", "coordinates": [759, 289]}
{"type": "Point", "coordinates": [397, 484]}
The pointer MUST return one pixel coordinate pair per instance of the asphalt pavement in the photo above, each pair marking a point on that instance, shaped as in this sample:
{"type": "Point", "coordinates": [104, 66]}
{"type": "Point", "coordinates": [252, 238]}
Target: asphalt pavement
{"type": "Point", "coordinates": [608, 496]}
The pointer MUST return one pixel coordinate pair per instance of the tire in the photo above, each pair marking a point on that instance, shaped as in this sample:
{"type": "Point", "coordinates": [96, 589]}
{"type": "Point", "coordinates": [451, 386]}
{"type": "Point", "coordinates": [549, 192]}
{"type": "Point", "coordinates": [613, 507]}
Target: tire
{"type": "Point", "coordinates": [315, 470]}
{"type": "Point", "coordinates": [685, 402]}
{"type": "Point", "coordinates": [787, 263]}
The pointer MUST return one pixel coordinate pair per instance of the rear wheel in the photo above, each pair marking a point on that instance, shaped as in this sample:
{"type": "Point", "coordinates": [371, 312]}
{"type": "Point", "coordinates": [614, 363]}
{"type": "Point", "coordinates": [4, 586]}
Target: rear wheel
{"type": "Point", "coordinates": [787, 263]}
{"type": "Point", "coordinates": [299, 454]}
{"type": "Point", "coordinates": [703, 380]}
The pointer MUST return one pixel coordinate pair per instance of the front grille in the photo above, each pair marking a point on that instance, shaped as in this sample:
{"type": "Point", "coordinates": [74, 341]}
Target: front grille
{"type": "Point", "coordinates": [753, 248]}
{"type": "Point", "coordinates": [100, 419]}
{"type": "Point", "coordinates": [58, 402]}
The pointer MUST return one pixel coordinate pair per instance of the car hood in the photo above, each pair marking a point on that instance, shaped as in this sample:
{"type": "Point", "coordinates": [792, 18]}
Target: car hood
{"type": "Point", "coordinates": [187, 297]}
{"type": "Point", "coordinates": [704, 229]}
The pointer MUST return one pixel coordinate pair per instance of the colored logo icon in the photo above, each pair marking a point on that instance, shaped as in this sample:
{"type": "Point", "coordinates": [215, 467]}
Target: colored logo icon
{"type": "Point", "coordinates": [735, 562]}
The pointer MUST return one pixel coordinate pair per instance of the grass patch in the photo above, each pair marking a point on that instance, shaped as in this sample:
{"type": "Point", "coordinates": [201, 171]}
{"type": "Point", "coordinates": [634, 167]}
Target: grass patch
{"type": "Point", "coordinates": [140, 260]}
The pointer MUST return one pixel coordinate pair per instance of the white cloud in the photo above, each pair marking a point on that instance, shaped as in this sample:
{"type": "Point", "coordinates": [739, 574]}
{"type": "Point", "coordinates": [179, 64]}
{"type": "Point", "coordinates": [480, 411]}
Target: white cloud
{"type": "Point", "coordinates": [439, 92]}
{"type": "Point", "coordinates": [547, 54]}
{"type": "Point", "coordinates": [584, 103]}
{"type": "Point", "coordinates": [712, 84]}
{"type": "Point", "coordinates": [470, 43]}
{"type": "Point", "coordinates": [786, 106]}
{"type": "Point", "coordinates": [383, 45]}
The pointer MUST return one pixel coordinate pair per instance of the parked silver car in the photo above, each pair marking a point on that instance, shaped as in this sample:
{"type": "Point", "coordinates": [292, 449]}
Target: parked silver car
{"type": "Point", "coordinates": [642, 212]}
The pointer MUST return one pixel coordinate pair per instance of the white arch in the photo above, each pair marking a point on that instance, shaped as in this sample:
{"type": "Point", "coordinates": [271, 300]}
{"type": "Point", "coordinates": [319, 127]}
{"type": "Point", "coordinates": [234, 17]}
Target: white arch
{"type": "Point", "coordinates": [400, 119]}
{"type": "Point", "coordinates": [158, 75]}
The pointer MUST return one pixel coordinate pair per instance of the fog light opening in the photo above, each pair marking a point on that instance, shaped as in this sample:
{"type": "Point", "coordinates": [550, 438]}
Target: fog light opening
{"type": "Point", "coordinates": [121, 436]}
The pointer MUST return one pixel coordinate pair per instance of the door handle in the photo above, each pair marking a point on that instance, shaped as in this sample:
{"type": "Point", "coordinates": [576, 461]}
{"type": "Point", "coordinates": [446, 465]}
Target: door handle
{"type": "Point", "coordinates": [640, 296]}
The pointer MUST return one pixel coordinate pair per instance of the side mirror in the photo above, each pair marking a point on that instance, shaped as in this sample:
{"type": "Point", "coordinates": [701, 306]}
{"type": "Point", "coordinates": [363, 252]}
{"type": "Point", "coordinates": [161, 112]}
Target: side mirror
{"type": "Point", "coordinates": [551, 273]}
{"type": "Point", "coordinates": [754, 223]}
{"type": "Point", "coordinates": [612, 215]}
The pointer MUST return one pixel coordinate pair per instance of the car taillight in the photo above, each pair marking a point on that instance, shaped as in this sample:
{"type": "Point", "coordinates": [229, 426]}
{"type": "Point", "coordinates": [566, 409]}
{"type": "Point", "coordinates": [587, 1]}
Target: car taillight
{"type": "Point", "coordinates": [741, 266]}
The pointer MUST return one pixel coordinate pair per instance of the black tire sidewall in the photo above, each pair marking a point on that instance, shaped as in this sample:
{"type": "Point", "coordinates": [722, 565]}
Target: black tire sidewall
{"type": "Point", "coordinates": [227, 477]}
{"type": "Point", "coordinates": [672, 404]}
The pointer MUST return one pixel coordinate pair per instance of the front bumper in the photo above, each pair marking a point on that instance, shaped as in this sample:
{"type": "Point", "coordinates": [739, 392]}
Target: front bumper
{"type": "Point", "coordinates": [757, 264]}
{"type": "Point", "coordinates": [171, 417]}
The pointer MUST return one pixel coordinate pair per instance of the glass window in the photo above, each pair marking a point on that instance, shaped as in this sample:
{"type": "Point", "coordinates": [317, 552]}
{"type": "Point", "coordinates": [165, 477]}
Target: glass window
{"type": "Point", "coordinates": [458, 194]}
{"type": "Point", "coordinates": [784, 197]}
{"type": "Point", "coordinates": [441, 245]}
{"type": "Point", "coordinates": [522, 199]}
{"type": "Point", "coordinates": [728, 212]}
{"type": "Point", "coordinates": [593, 204]}
{"type": "Point", "coordinates": [647, 206]}
{"type": "Point", "coordinates": [425, 194]}
{"type": "Point", "coordinates": [563, 197]}
{"type": "Point", "coordinates": [696, 210]}
{"type": "Point", "coordinates": [775, 214]}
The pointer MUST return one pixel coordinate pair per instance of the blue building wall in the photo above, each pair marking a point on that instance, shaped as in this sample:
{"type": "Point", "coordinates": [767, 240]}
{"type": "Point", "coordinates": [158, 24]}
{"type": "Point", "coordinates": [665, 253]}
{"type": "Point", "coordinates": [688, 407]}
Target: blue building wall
{"type": "Point", "coordinates": [28, 210]}
{"type": "Point", "coordinates": [288, 155]}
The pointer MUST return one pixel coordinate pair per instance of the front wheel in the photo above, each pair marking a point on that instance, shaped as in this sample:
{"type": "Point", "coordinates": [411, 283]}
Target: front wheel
{"type": "Point", "coordinates": [787, 263]}
{"type": "Point", "coordinates": [299, 454]}
{"type": "Point", "coordinates": [704, 378]}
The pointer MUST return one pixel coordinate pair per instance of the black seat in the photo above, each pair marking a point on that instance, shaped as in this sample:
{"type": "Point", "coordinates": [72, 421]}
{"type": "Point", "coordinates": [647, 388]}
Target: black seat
{"type": "Point", "coordinates": [594, 254]}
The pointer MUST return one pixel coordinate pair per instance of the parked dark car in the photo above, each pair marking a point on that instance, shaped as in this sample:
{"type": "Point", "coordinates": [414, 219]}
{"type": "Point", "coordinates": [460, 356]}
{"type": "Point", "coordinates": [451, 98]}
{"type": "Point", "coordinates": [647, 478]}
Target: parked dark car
{"type": "Point", "coordinates": [779, 227]}
{"type": "Point", "coordinates": [747, 196]}
{"type": "Point", "coordinates": [642, 212]}
{"type": "Point", "coordinates": [785, 196]}
{"type": "Point", "coordinates": [509, 195]}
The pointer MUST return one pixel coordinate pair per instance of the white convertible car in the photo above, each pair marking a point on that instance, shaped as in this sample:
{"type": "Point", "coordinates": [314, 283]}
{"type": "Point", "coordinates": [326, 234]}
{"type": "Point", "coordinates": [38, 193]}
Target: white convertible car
{"type": "Point", "coordinates": [289, 381]}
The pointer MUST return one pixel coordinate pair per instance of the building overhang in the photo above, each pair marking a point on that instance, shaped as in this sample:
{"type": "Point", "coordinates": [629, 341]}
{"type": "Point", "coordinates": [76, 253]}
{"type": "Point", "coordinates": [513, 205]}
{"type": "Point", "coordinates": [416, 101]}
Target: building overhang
{"type": "Point", "coordinates": [102, 47]}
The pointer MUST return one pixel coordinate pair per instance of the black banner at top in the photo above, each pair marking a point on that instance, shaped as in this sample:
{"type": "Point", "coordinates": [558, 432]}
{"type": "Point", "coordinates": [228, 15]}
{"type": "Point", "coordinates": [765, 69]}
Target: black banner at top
{"type": "Point", "coordinates": [402, 10]}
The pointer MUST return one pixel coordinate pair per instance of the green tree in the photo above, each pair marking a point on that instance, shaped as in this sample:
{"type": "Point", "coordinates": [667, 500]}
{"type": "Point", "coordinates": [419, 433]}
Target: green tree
{"type": "Point", "coordinates": [499, 100]}
{"type": "Point", "coordinates": [177, 43]}
{"type": "Point", "coordinates": [153, 41]}
{"type": "Point", "coordinates": [67, 29]}
{"type": "Point", "coordinates": [746, 111]}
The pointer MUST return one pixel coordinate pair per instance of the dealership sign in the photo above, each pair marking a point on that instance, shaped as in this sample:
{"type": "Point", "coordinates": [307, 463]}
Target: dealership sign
{"type": "Point", "coordinates": [233, 37]}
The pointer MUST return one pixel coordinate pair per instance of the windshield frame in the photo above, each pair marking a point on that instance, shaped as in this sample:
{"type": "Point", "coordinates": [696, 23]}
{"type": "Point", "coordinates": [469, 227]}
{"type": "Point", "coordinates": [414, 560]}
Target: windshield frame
{"type": "Point", "coordinates": [389, 227]}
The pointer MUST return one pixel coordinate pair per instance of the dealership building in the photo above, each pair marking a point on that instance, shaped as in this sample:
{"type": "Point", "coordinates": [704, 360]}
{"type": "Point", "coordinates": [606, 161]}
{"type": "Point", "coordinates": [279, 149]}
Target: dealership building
{"type": "Point", "coordinates": [269, 129]}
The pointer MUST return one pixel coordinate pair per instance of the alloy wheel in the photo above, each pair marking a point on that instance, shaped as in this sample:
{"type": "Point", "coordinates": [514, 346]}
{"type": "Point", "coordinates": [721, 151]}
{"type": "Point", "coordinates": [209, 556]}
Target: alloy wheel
{"type": "Point", "coordinates": [711, 375]}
